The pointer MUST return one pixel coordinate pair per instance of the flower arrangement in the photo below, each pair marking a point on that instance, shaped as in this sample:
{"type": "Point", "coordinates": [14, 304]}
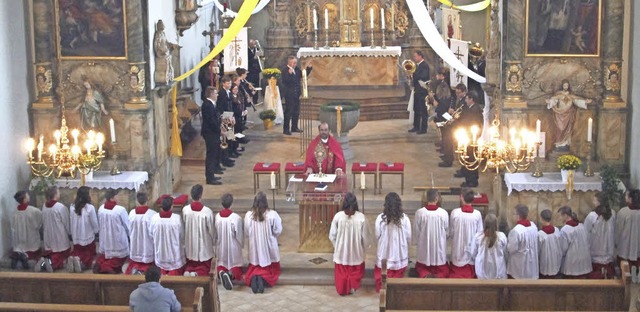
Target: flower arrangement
{"type": "Point", "coordinates": [267, 114]}
{"type": "Point", "coordinates": [271, 72]}
{"type": "Point", "coordinates": [569, 162]}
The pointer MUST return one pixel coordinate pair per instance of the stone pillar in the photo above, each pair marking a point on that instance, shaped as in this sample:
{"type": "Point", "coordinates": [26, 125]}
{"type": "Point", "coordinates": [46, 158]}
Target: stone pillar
{"type": "Point", "coordinates": [281, 36]}
{"type": "Point", "coordinates": [513, 53]}
{"type": "Point", "coordinates": [613, 29]}
{"type": "Point", "coordinates": [138, 80]}
{"type": "Point", "coordinates": [44, 53]}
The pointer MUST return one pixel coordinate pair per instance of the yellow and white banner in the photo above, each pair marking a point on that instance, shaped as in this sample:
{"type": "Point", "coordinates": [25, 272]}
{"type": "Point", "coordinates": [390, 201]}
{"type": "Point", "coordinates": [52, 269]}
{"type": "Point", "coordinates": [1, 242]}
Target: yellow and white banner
{"type": "Point", "coordinates": [461, 50]}
{"type": "Point", "coordinates": [236, 54]}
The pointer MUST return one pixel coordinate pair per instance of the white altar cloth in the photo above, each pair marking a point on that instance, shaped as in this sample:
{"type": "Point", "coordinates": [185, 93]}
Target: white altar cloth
{"type": "Point", "coordinates": [394, 51]}
{"type": "Point", "coordinates": [131, 180]}
{"type": "Point", "coordinates": [550, 181]}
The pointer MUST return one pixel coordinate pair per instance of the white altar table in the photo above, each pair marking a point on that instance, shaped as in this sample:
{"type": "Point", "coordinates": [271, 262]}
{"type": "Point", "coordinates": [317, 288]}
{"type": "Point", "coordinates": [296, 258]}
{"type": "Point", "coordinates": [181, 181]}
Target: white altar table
{"type": "Point", "coordinates": [131, 180]}
{"type": "Point", "coordinates": [550, 181]}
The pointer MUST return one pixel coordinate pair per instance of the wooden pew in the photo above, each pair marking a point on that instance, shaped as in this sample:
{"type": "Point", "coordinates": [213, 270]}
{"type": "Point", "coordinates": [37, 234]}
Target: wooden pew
{"type": "Point", "coordinates": [415, 294]}
{"type": "Point", "coordinates": [98, 289]}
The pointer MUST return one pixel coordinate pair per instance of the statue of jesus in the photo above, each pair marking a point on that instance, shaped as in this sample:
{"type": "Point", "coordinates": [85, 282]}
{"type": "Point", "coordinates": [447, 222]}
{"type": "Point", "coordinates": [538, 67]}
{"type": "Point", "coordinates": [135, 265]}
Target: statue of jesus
{"type": "Point", "coordinates": [563, 104]}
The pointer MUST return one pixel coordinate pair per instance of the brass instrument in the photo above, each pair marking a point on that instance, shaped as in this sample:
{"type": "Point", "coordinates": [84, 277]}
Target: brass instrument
{"type": "Point", "coordinates": [226, 129]}
{"type": "Point", "coordinates": [455, 116]}
{"type": "Point", "coordinates": [409, 67]}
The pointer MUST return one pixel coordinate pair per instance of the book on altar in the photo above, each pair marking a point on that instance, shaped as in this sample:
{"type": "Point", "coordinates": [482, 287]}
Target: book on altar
{"type": "Point", "coordinates": [294, 179]}
{"type": "Point", "coordinates": [326, 178]}
{"type": "Point", "coordinates": [321, 186]}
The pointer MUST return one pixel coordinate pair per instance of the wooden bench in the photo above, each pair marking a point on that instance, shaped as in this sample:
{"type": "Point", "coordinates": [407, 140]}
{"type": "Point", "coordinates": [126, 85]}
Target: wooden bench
{"type": "Point", "coordinates": [196, 306]}
{"type": "Point", "coordinates": [415, 294]}
{"type": "Point", "coordinates": [103, 290]}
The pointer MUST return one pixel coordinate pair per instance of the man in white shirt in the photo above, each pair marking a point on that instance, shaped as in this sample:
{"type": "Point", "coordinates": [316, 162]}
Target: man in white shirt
{"type": "Point", "coordinates": [56, 233]}
{"type": "Point", "coordinates": [26, 223]}
{"type": "Point", "coordinates": [200, 235]}
{"type": "Point", "coordinates": [549, 247]}
{"type": "Point", "coordinates": [523, 247]}
{"type": "Point", "coordinates": [230, 234]}
{"type": "Point", "coordinates": [113, 220]}
{"type": "Point", "coordinates": [168, 240]}
{"type": "Point", "coordinates": [431, 231]}
{"type": "Point", "coordinates": [465, 223]}
{"type": "Point", "coordinates": [141, 253]}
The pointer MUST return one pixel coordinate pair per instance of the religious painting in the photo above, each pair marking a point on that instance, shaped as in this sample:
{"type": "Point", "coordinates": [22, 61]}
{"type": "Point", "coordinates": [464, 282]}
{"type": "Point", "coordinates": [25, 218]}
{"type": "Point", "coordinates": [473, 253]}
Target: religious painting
{"type": "Point", "coordinates": [563, 28]}
{"type": "Point", "coordinates": [91, 29]}
{"type": "Point", "coordinates": [450, 24]}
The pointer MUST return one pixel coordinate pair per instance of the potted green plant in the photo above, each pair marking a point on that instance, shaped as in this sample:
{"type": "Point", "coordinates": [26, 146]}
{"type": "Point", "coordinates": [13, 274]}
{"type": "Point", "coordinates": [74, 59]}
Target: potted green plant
{"type": "Point", "coordinates": [267, 116]}
{"type": "Point", "coordinates": [610, 181]}
{"type": "Point", "coordinates": [568, 163]}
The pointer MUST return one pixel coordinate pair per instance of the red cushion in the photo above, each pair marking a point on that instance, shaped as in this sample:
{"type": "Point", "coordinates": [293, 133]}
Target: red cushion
{"type": "Point", "coordinates": [483, 199]}
{"type": "Point", "coordinates": [368, 167]}
{"type": "Point", "coordinates": [397, 167]}
{"type": "Point", "coordinates": [291, 167]}
{"type": "Point", "coordinates": [259, 167]}
{"type": "Point", "coordinates": [178, 200]}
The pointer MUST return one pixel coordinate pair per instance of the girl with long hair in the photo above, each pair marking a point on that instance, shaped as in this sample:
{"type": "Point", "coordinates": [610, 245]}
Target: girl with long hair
{"type": "Point", "coordinates": [488, 250]}
{"type": "Point", "coordinates": [575, 245]}
{"type": "Point", "coordinates": [262, 227]}
{"type": "Point", "coordinates": [600, 225]}
{"type": "Point", "coordinates": [393, 231]}
{"type": "Point", "coordinates": [628, 230]}
{"type": "Point", "coordinates": [349, 235]}
{"type": "Point", "coordinates": [84, 229]}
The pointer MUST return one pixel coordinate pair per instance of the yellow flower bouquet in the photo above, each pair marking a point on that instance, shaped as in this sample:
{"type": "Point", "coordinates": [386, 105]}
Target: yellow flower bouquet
{"type": "Point", "coordinates": [569, 162]}
{"type": "Point", "coordinates": [271, 72]}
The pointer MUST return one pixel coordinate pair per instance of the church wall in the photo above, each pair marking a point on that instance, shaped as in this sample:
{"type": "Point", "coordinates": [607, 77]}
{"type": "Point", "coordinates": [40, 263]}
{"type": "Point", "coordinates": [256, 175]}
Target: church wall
{"type": "Point", "coordinates": [634, 142]}
{"type": "Point", "coordinates": [14, 123]}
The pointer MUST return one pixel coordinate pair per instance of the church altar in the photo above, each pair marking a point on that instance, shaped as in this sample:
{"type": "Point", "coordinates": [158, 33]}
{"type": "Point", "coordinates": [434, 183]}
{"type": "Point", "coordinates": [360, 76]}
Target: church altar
{"type": "Point", "coordinates": [352, 66]}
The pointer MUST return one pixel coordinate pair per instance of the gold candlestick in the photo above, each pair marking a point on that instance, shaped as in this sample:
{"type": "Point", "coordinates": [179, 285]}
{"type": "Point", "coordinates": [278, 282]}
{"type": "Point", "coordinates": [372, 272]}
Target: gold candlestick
{"type": "Point", "coordinates": [537, 172]}
{"type": "Point", "coordinates": [588, 172]}
{"type": "Point", "coordinates": [326, 38]}
{"type": "Point", "coordinates": [114, 156]}
{"type": "Point", "coordinates": [315, 39]}
{"type": "Point", "coordinates": [384, 44]}
{"type": "Point", "coordinates": [373, 45]}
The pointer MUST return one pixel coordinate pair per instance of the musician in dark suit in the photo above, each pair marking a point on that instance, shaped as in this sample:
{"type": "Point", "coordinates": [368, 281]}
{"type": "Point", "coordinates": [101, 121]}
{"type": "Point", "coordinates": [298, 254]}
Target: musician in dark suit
{"type": "Point", "coordinates": [253, 75]}
{"type": "Point", "coordinates": [471, 115]}
{"type": "Point", "coordinates": [421, 74]}
{"type": "Point", "coordinates": [225, 104]}
{"type": "Point", "coordinates": [292, 89]}
{"type": "Point", "coordinates": [211, 133]}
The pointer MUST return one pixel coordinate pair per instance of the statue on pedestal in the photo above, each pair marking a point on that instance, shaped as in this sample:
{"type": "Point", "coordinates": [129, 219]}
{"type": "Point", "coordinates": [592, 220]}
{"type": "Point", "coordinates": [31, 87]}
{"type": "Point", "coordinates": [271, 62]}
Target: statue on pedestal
{"type": "Point", "coordinates": [91, 107]}
{"type": "Point", "coordinates": [563, 104]}
{"type": "Point", "coordinates": [162, 50]}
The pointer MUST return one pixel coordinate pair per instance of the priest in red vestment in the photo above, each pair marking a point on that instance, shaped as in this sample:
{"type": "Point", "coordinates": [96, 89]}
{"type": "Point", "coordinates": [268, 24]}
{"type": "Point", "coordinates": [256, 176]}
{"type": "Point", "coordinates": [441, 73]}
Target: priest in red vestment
{"type": "Point", "coordinates": [326, 150]}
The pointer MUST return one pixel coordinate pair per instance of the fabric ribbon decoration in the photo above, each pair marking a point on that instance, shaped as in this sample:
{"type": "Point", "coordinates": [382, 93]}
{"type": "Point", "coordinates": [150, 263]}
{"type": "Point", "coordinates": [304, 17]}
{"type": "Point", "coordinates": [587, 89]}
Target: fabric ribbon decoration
{"type": "Point", "coordinates": [474, 7]}
{"type": "Point", "coordinates": [229, 12]}
{"type": "Point", "coordinates": [238, 23]}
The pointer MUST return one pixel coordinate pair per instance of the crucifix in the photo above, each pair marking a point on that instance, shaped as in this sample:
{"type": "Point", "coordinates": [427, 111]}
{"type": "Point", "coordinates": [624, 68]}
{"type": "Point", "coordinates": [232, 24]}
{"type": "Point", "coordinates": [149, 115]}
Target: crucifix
{"type": "Point", "coordinates": [236, 51]}
{"type": "Point", "coordinates": [458, 54]}
{"type": "Point", "coordinates": [211, 34]}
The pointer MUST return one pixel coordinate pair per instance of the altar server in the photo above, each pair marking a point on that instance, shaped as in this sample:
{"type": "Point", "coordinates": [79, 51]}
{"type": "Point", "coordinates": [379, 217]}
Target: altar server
{"type": "Point", "coordinates": [575, 245]}
{"type": "Point", "coordinates": [84, 230]}
{"type": "Point", "coordinates": [349, 235]}
{"type": "Point", "coordinates": [56, 233]}
{"type": "Point", "coordinates": [600, 225]}
{"type": "Point", "coordinates": [523, 247]}
{"type": "Point", "coordinates": [628, 229]}
{"type": "Point", "coordinates": [141, 254]}
{"type": "Point", "coordinates": [230, 233]}
{"type": "Point", "coordinates": [199, 235]}
{"type": "Point", "coordinates": [431, 228]}
{"type": "Point", "coordinates": [114, 235]}
{"type": "Point", "coordinates": [393, 232]}
{"type": "Point", "coordinates": [26, 224]}
{"type": "Point", "coordinates": [465, 223]}
{"type": "Point", "coordinates": [262, 226]}
{"type": "Point", "coordinates": [488, 251]}
{"type": "Point", "coordinates": [168, 239]}
{"type": "Point", "coordinates": [549, 246]}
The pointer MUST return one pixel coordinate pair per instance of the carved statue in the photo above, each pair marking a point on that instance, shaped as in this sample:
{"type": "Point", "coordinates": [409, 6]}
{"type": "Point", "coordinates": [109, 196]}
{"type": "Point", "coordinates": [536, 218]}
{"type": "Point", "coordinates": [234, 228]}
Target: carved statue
{"type": "Point", "coordinates": [563, 104]}
{"type": "Point", "coordinates": [91, 107]}
{"type": "Point", "coordinates": [163, 50]}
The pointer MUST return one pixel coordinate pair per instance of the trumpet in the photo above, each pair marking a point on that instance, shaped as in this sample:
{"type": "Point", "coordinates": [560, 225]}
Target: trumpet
{"type": "Point", "coordinates": [455, 116]}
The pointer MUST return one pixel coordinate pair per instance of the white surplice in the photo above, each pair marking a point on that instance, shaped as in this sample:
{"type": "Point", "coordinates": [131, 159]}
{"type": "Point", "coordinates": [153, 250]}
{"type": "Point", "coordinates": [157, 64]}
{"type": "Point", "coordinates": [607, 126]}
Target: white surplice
{"type": "Point", "coordinates": [56, 228]}
{"type": "Point", "coordinates": [230, 234]}
{"type": "Point", "coordinates": [575, 246]}
{"type": "Point", "coordinates": [168, 241]}
{"type": "Point", "coordinates": [431, 229]}
{"type": "Point", "coordinates": [463, 228]}
{"type": "Point", "coordinates": [84, 227]}
{"type": "Point", "coordinates": [262, 237]}
{"type": "Point", "coordinates": [141, 238]}
{"type": "Point", "coordinates": [490, 263]}
{"type": "Point", "coordinates": [350, 236]}
{"type": "Point", "coordinates": [523, 252]}
{"type": "Point", "coordinates": [550, 252]}
{"type": "Point", "coordinates": [199, 233]}
{"type": "Point", "coordinates": [114, 232]}
{"type": "Point", "coordinates": [393, 242]}
{"type": "Point", "coordinates": [25, 229]}
{"type": "Point", "coordinates": [601, 237]}
{"type": "Point", "coordinates": [627, 234]}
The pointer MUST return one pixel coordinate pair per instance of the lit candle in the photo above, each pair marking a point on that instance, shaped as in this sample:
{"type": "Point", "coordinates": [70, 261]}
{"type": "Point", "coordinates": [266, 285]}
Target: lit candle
{"type": "Point", "coordinates": [371, 17]}
{"type": "Point", "coordinates": [363, 181]}
{"type": "Point", "coordinates": [112, 130]}
{"type": "Point", "coordinates": [474, 133]}
{"type": "Point", "coordinates": [512, 133]}
{"type": "Point", "coordinates": [57, 135]}
{"type": "Point", "coordinates": [53, 150]}
{"type": "Point", "coordinates": [30, 145]}
{"type": "Point", "coordinates": [74, 134]}
{"type": "Point", "coordinates": [100, 141]}
{"type": "Point", "coordinates": [589, 130]}
{"type": "Point", "coordinates": [40, 147]}
{"type": "Point", "coordinates": [87, 145]}
{"type": "Point", "coordinates": [273, 180]}
{"type": "Point", "coordinates": [382, 17]}
{"type": "Point", "coordinates": [537, 139]}
{"type": "Point", "coordinates": [326, 19]}
{"type": "Point", "coordinates": [315, 20]}
{"type": "Point", "coordinates": [516, 145]}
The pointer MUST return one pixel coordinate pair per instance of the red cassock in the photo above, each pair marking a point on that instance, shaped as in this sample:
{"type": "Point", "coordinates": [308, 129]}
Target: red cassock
{"type": "Point", "coordinates": [334, 157]}
{"type": "Point", "coordinates": [110, 266]}
{"type": "Point", "coordinates": [377, 274]}
{"type": "Point", "coordinates": [347, 277]}
{"type": "Point", "coordinates": [236, 272]}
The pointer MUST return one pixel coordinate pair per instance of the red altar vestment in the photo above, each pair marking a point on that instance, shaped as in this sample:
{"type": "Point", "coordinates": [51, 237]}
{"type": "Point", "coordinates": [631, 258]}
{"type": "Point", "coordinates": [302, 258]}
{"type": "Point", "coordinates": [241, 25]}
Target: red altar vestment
{"type": "Point", "coordinates": [330, 153]}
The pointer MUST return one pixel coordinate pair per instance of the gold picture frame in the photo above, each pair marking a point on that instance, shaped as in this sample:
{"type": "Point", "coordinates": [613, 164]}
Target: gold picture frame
{"type": "Point", "coordinates": [563, 28]}
{"type": "Point", "coordinates": [91, 30]}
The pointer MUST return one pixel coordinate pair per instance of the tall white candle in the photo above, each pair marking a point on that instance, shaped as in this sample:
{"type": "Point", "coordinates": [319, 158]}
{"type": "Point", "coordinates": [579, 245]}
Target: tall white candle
{"type": "Point", "coordinates": [363, 181]}
{"type": "Point", "coordinates": [112, 130]}
{"type": "Point", "coordinates": [589, 130]}
{"type": "Point", "coordinates": [273, 180]}
{"type": "Point", "coordinates": [382, 17]}
{"type": "Point", "coordinates": [538, 125]}
{"type": "Point", "coordinates": [371, 17]}
{"type": "Point", "coordinates": [305, 92]}
{"type": "Point", "coordinates": [326, 19]}
{"type": "Point", "coordinates": [315, 20]}
{"type": "Point", "coordinates": [40, 147]}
